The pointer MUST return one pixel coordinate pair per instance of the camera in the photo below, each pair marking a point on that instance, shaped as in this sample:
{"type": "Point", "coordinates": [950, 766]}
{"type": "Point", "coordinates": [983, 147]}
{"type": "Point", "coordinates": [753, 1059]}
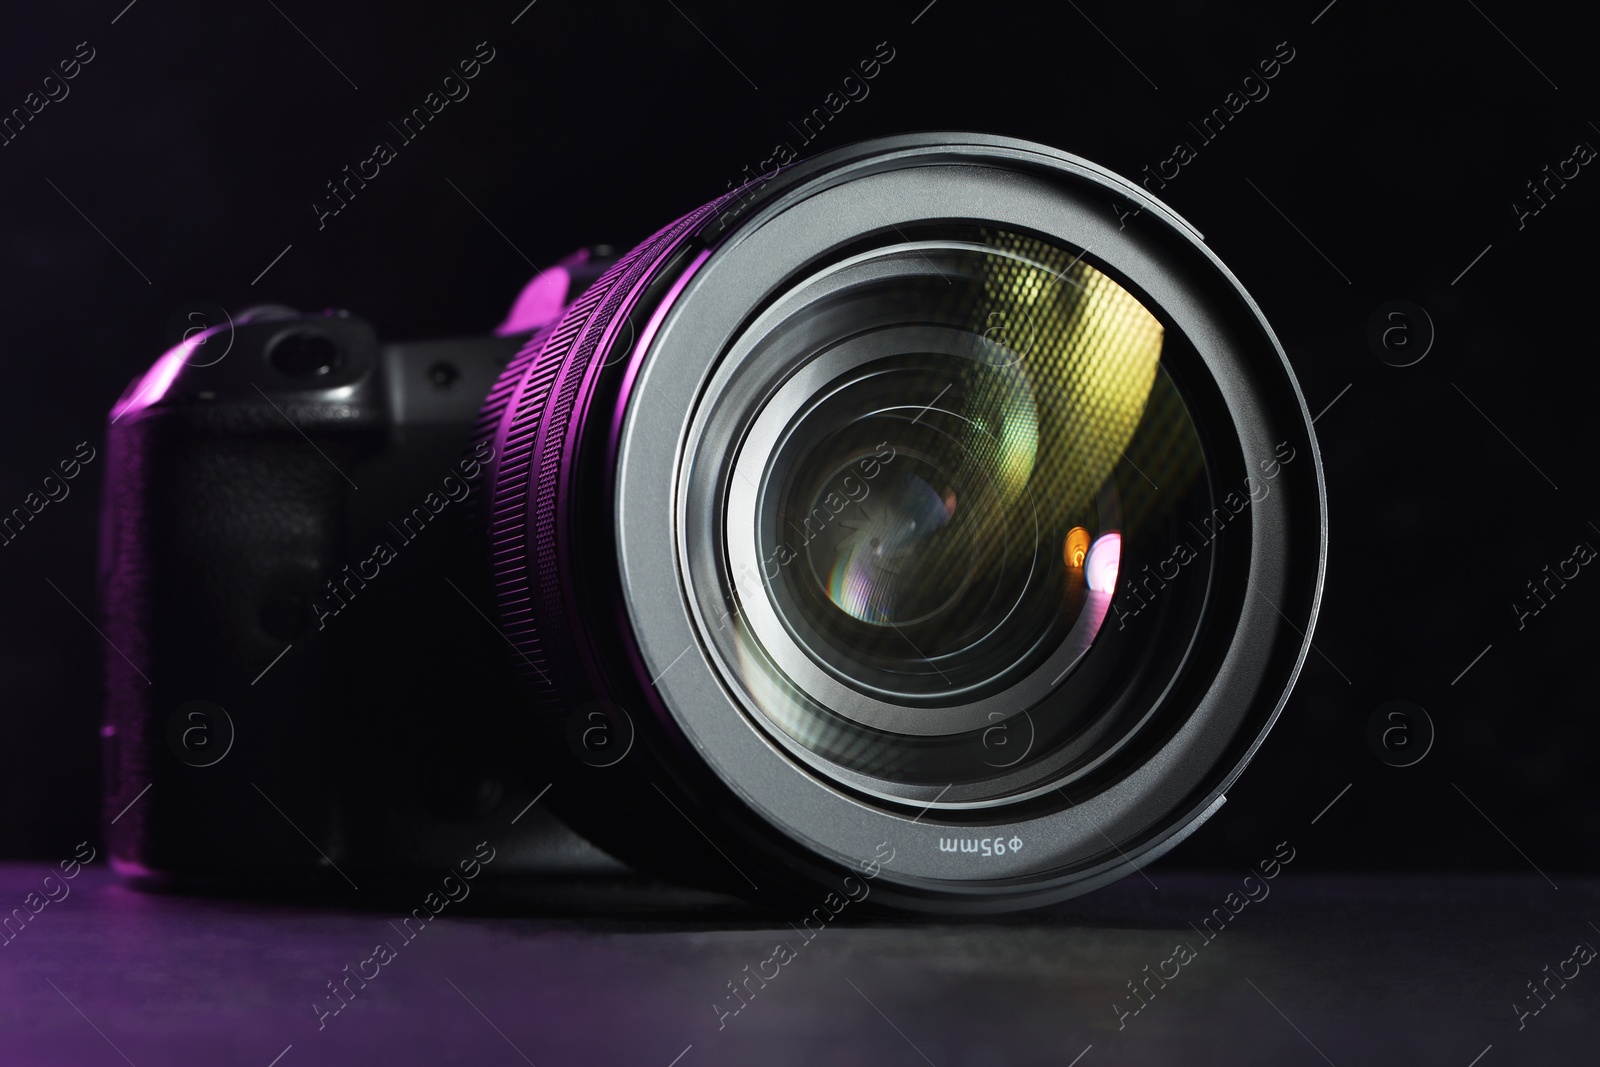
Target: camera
{"type": "Point", "coordinates": [937, 512]}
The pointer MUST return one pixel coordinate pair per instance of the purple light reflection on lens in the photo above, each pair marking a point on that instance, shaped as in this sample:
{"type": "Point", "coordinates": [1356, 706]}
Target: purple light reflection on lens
{"type": "Point", "coordinates": [1100, 566]}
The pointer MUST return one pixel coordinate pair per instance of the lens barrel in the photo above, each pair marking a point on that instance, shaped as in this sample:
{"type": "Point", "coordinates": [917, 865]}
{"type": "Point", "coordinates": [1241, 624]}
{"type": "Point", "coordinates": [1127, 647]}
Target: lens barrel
{"type": "Point", "coordinates": [939, 490]}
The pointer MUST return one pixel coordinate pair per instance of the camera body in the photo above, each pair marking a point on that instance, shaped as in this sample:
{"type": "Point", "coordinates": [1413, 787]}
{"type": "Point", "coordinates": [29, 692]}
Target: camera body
{"type": "Point", "coordinates": [291, 572]}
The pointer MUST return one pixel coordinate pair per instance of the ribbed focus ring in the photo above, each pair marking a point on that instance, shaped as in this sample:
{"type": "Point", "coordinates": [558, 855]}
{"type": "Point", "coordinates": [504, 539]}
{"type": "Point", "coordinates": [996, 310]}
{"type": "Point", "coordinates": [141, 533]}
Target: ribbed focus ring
{"type": "Point", "coordinates": [527, 416]}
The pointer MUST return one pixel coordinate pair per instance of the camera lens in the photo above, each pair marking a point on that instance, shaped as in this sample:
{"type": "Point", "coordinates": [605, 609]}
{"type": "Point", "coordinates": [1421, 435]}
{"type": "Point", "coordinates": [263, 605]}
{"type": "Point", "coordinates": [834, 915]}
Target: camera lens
{"type": "Point", "coordinates": [937, 491]}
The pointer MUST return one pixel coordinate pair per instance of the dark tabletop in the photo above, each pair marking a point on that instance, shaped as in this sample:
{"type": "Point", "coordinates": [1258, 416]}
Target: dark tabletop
{"type": "Point", "coordinates": [1344, 970]}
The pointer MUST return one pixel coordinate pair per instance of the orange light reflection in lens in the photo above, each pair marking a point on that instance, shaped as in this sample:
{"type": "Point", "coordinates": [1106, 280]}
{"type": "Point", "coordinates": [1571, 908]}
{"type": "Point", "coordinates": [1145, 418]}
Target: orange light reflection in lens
{"type": "Point", "coordinates": [1076, 547]}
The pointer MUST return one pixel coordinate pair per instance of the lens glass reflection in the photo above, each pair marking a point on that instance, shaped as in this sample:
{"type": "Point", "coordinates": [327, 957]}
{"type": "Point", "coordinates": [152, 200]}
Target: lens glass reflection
{"type": "Point", "coordinates": [943, 519]}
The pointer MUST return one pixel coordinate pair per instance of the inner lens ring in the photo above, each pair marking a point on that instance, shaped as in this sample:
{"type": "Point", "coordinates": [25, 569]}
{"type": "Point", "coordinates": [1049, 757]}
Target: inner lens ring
{"type": "Point", "coordinates": [759, 442]}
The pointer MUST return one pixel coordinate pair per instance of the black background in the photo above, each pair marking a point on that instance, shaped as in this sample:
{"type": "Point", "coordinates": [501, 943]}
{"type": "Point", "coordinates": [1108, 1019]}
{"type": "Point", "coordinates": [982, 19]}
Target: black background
{"type": "Point", "coordinates": [190, 150]}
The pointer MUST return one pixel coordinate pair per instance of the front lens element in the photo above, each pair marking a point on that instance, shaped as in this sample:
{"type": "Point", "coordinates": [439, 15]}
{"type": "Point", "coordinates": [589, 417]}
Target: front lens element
{"type": "Point", "coordinates": [957, 453]}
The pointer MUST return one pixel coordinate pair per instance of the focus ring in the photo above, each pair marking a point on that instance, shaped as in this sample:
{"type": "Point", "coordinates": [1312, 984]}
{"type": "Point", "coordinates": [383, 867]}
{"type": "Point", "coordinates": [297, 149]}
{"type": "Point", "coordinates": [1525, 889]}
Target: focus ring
{"type": "Point", "coordinates": [527, 416]}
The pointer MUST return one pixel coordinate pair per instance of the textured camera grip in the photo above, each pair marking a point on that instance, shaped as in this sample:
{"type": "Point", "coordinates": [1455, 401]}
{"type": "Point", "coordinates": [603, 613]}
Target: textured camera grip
{"type": "Point", "coordinates": [209, 512]}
